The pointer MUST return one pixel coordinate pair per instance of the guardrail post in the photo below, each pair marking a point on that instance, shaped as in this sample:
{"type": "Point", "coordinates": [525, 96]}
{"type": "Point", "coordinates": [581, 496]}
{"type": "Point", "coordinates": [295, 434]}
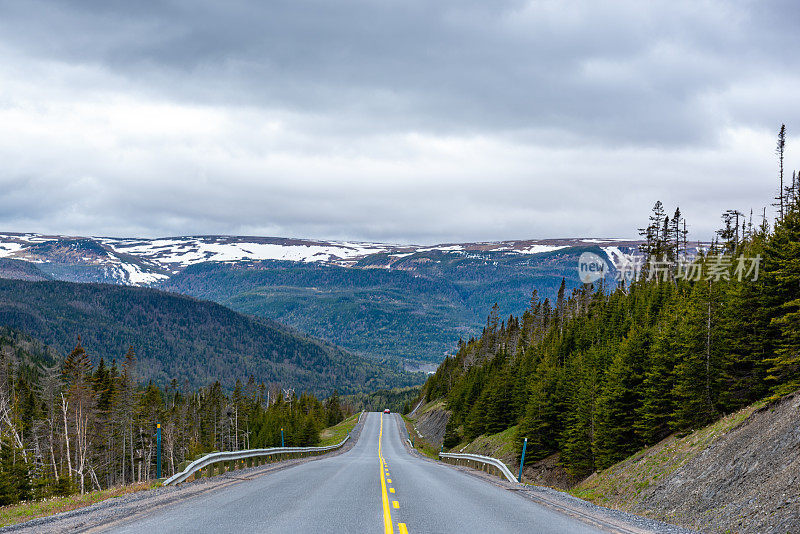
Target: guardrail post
{"type": "Point", "coordinates": [522, 460]}
{"type": "Point", "coordinates": [158, 450]}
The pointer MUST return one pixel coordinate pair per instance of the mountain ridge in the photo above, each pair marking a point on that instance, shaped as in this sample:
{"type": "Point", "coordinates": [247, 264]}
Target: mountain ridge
{"type": "Point", "coordinates": [407, 302]}
{"type": "Point", "coordinates": [136, 261]}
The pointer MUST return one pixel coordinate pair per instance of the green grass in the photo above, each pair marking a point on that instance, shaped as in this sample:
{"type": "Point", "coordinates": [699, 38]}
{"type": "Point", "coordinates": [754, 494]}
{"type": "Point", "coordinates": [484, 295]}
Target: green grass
{"type": "Point", "coordinates": [336, 433]}
{"type": "Point", "coordinates": [436, 405]}
{"type": "Point", "coordinates": [25, 511]}
{"type": "Point", "coordinates": [502, 445]}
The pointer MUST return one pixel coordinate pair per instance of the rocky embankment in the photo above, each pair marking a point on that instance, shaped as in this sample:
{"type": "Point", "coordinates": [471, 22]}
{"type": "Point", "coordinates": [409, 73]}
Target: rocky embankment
{"type": "Point", "coordinates": [430, 422]}
{"type": "Point", "coordinates": [741, 475]}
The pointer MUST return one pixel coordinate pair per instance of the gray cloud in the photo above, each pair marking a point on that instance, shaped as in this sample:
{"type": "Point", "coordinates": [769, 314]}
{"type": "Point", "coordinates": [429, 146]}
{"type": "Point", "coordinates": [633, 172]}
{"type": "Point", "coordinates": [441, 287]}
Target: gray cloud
{"type": "Point", "coordinates": [405, 121]}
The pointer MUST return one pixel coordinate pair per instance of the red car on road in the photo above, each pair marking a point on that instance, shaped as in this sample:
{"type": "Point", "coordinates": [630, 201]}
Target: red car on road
{"type": "Point", "coordinates": [387, 411]}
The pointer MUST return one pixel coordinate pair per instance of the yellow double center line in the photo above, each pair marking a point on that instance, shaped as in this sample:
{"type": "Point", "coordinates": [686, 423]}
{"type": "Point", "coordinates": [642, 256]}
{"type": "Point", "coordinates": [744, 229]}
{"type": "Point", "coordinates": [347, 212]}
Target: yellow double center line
{"type": "Point", "coordinates": [387, 514]}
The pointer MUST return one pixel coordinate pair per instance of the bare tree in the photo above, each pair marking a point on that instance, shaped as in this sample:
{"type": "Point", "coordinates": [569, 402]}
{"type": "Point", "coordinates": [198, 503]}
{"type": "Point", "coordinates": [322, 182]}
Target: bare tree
{"type": "Point", "coordinates": [779, 149]}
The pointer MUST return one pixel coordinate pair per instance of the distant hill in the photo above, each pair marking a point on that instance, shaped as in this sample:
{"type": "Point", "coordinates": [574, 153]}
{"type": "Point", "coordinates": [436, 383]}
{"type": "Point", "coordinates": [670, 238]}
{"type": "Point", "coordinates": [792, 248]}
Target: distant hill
{"type": "Point", "coordinates": [417, 310]}
{"type": "Point", "coordinates": [17, 348]}
{"type": "Point", "coordinates": [21, 270]}
{"type": "Point", "coordinates": [403, 302]}
{"type": "Point", "coordinates": [178, 337]}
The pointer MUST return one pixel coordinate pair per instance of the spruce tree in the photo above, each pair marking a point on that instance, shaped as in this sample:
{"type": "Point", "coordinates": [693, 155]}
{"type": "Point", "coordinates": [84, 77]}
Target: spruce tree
{"type": "Point", "coordinates": [695, 392]}
{"type": "Point", "coordinates": [781, 275]}
{"type": "Point", "coordinates": [621, 399]}
{"type": "Point", "coordinates": [577, 441]}
{"type": "Point", "coordinates": [747, 336]}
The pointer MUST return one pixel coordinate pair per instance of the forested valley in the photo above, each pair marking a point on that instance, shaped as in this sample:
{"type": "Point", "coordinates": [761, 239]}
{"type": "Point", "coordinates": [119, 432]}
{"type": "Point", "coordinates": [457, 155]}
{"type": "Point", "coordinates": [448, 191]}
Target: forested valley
{"type": "Point", "coordinates": [192, 341]}
{"type": "Point", "coordinates": [602, 372]}
{"type": "Point", "coordinates": [71, 426]}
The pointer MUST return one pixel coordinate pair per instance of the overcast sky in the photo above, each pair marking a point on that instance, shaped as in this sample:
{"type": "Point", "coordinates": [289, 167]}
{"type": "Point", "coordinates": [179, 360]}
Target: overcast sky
{"type": "Point", "coordinates": [403, 121]}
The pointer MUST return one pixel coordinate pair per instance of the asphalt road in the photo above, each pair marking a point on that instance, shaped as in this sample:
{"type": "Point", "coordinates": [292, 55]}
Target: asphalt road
{"type": "Point", "coordinates": [377, 487]}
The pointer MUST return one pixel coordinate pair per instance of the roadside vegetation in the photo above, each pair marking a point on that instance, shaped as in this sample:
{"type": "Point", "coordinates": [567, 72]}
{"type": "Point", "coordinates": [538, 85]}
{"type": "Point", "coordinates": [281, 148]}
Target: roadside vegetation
{"type": "Point", "coordinates": [73, 427]}
{"type": "Point", "coordinates": [501, 446]}
{"type": "Point", "coordinates": [25, 511]}
{"type": "Point", "coordinates": [336, 433]}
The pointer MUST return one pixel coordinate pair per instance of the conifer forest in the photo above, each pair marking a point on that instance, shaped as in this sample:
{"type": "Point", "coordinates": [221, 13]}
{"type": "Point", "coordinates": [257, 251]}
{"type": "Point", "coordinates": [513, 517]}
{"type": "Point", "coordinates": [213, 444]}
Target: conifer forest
{"type": "Point", "coordinates": [603, 371]}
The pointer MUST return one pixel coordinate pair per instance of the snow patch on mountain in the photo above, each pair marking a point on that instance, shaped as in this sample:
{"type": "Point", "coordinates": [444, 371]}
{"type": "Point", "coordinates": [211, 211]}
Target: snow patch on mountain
{"type": "Point", "coordinates": [176, 253]}
{"type": "Point", "coordinates": [138, 261]}
{"type": "Point", "coordinates": [8, 249]}
{"type": "Point", "coordinates": [616, 256]}
{"type": "Point", "coordinates": [445, 248]}
{"type": "Point", "coordinates": [134, 275]}
{"type": "Point", "coordinates": [538, 249]}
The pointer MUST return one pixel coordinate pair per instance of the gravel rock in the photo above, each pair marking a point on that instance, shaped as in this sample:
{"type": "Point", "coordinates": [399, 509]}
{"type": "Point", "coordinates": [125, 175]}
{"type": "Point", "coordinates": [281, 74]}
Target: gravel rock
{"type": "Point", "coordinates": [746, 482]}
{"type": "Point", "coordinates": [431, 425]}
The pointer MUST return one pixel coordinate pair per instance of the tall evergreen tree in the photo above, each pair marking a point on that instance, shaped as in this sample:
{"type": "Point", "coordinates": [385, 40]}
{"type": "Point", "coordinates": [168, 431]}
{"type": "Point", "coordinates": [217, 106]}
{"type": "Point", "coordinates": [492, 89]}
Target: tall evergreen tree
{"type": "Point", "coordinates": [781, 275]}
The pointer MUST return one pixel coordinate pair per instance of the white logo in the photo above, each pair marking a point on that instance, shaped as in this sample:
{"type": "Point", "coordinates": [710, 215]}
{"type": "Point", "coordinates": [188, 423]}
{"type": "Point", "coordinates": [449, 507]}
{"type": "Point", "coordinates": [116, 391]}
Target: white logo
{"type": "Point", "coordinates": [591, 267]}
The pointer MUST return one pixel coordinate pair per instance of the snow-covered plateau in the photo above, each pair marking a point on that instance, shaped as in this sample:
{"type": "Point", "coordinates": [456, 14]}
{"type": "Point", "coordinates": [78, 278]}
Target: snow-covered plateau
{"type": "Point", "coordinates": [144, 262]}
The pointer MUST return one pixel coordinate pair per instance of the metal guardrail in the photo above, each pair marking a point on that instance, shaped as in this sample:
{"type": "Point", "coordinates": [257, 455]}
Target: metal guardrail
{"type": "Point", "coordinates": [479, 462]}
{"type": "Point", "coordinates": [420, 403]}
{"type": "Point", "coordinates": [246, 458]}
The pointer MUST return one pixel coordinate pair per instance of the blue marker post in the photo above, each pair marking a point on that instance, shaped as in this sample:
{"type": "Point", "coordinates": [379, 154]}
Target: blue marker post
{"type": "Point", "coordinates": [158, 450]}
{"type": "Point", "coordinates": [522, 460]}
{"type": "Point", "coordinates": [282, 437]}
